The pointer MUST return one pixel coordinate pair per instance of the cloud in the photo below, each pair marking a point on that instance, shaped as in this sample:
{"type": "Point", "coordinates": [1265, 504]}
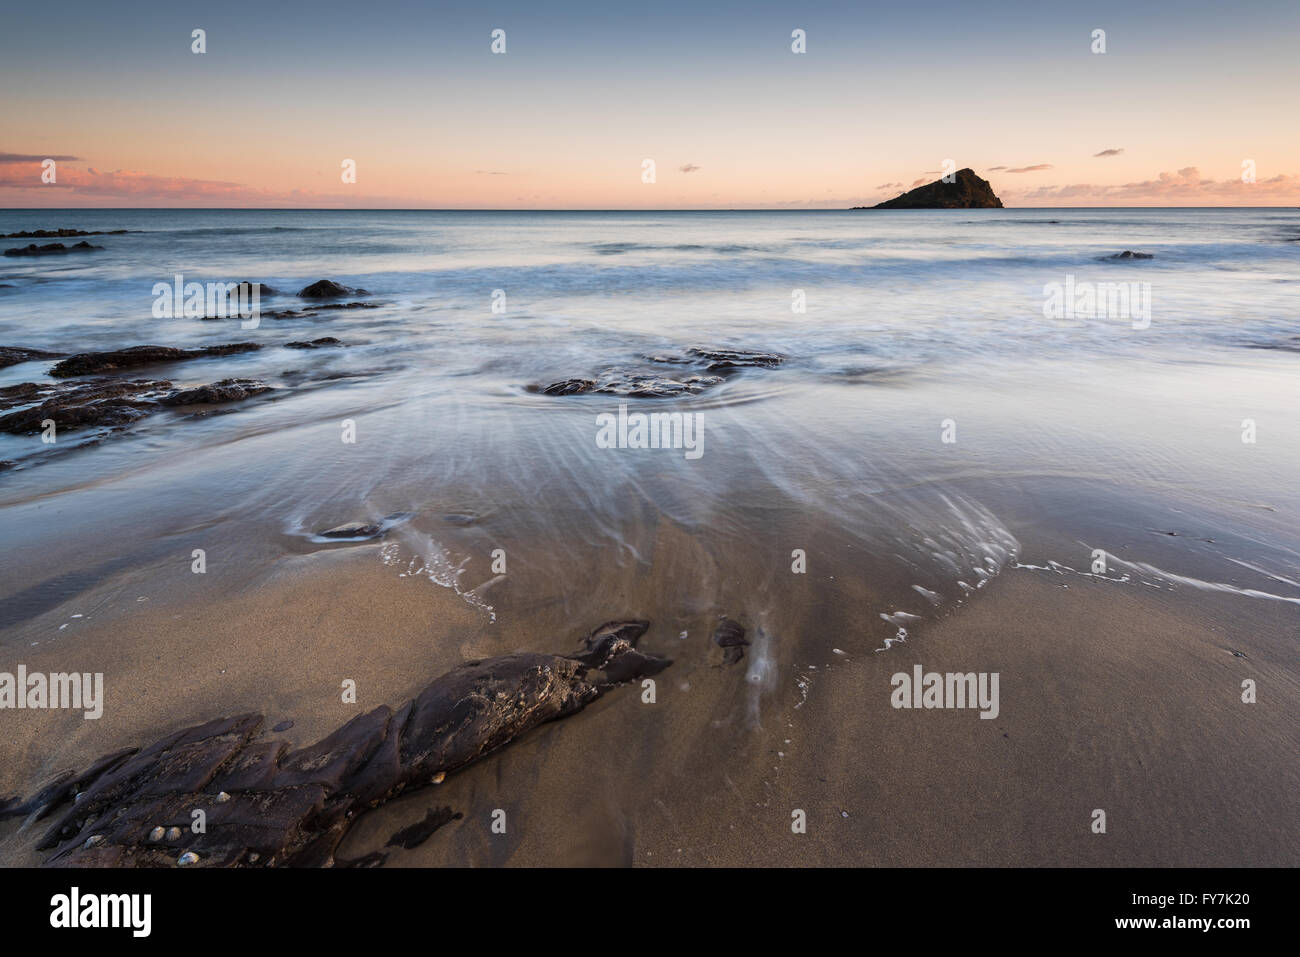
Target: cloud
{"type": "Point", "coordinates": [30, 158]}
{"type": "Point", "coordinates": [489, 172]}
{"type": "Point", "coordinates": [1107, 153]}
{"type": "Point", "coordinates": [918, 182]}
{"type": "Point", "coordinates": [993, 169]}
{"type": "Point", "coordinates": [688, 168]}
{"type": "Point", "coordinates": [1186, 187]}
{"type": "Point", "coordinates": [890, 186]}
{"type": "Point", "coordinates": [1031, 169]}
{"type": "Point", "coordinates": [21, 183]}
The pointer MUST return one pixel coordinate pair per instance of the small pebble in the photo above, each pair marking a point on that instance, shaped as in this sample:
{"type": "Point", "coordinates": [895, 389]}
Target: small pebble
{"type": "Point", "coordinates": [189, 857]}
{"type": "Point", "coordinates": [223, 797]}
{"type": "Point", "coordinates": [94, 840]}
{"type": "Point", "coordinates": [156, 834]}
{"type": "Point", "coordinates": [173, 833]}
{"type": "Point", "coordinates": [438, 778]}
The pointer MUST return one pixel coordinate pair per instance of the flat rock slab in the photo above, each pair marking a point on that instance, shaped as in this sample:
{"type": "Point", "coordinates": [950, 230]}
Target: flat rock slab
{"type": "Point", "coordinates": [108, 401]}
{"type": "Point", "coordinates": [90, 363]}
{"type": "Point", "coordinates": [12, 355]}
{"type": "Point", "coordinates": [66, 233]}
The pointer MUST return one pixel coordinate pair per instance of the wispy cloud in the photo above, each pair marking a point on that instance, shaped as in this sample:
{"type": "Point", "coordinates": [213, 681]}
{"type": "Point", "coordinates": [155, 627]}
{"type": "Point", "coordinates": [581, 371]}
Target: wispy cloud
{"type": "Point", "coordinates": [994, 169]}
{"type": "Point", "coordinates": [688, 168]}
{"type": "Point", "coordinates": [1108, 153]}
{"type": "Point", "coordinates": [1031, 169]}
{"type": "Point", "coordinates": [32, 158]}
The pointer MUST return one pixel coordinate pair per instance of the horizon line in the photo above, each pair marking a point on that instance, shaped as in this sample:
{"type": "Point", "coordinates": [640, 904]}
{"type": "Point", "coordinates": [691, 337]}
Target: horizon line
{"type": "Point", "coordinates": [560, 209]}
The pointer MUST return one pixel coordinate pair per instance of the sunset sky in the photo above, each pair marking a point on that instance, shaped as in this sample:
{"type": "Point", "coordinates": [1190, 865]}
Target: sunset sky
{"type": "Point", "coordinates": [711, 92]}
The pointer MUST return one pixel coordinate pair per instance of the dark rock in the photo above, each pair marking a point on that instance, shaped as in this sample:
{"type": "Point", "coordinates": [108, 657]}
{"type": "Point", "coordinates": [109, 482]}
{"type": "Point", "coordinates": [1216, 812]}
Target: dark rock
{"type": "Point", "coordinates": [64, 233]}
{"type": "Point", "coordinates": [108, 401]}
{"type": "Point", "coordinates": [638, 385]}
{"type": "Point", "coordinates": [419, 832]}
{"type": "Point", "coordinates": [226, 390]}
{"type": "Point", "coordinates": [86, 363]}
{"type": "Point", "coordinates": [266, 808]}
{"type": "Point", "coordinates": [352, 530]}
{"type": "Point", "coordinates": [51, 249]}
{"type": "Point", "coordinates": [967, 191]}
{"type": "Point", "coordinates": [347, 305]}
{"type": "Point", "coordinates": [721, 360]}
{"type": "Point", "coordinates": [100, 402]}
{"type": "Point", "coordinates": [314, 344]}
{"type": "Point", "coordinates": [570, 387]}
{"type": "Point", "coordinates": [287, 314]}
{"type": "Point", "coordinates": [283, 726]}
{"type": "Point", "coordinates": [245, 289]}
{"type": "Point", "coordinates": [12, 355]}
{"type": "Point", "coordinates": [1129, 254]}
{"type": "Point", "coordinates": [730, 637]}
{"type": "Point", "coordinates": [328, 289]}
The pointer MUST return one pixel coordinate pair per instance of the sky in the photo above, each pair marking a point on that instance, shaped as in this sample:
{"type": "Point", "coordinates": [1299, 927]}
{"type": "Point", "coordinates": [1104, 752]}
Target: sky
{"type": "Point", "coordinates": [585, 93]}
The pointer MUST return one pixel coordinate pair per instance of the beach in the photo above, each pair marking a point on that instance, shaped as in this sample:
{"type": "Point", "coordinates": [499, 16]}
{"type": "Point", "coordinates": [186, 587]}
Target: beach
{"type": "Point", "coordinates": [929, 472]}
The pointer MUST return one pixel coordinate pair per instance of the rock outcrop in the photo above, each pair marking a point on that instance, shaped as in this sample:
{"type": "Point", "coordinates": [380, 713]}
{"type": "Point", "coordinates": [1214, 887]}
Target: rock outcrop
{"type": "Point", "coordinates": [266, 805]}
{"type": "Point", "coordinates": [328, 289]}
{"type": "Point", "coordinates": [51, 249]}
{"type": "Point", "coordinates": [89, 363]}
{"type": "Point", "coordinates": [13, 355]}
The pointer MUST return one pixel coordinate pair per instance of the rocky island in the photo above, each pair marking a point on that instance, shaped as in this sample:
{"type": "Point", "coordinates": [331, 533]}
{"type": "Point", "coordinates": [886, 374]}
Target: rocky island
{"type": "Point", "coordinates": [967, 191]}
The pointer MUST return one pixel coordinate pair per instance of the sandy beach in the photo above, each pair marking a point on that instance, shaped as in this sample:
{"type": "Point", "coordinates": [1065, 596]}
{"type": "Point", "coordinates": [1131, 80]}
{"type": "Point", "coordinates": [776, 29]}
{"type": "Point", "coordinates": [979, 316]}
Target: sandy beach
{"type": "Point", "coordinates": [1097, 514]}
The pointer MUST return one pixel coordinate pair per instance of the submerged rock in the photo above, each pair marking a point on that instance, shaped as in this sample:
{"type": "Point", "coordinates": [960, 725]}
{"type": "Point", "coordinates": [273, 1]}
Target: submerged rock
{"type": "Point", "coordinates": [294, 808]}
{"type": "Point", "coordinates": [12, 355]}
{"type": "Point", "coordinates": [635, 385]}
{"type": "Point", "coordinates": [419, 832]}
{"type": "Point", "coordinates": [99, 402]}
{"type": "Point", "coordinates": [967, 191]}
{"type": "Point", "coordinates": [226, 390]}
{"type": "Point", "coordinates": [730, 637]}
{"type": "Point", "coordinates": [1130, 254]}
{"type": "Point", "coordinates": [108, 401]}
{"type": "Point", "coordinates": [328, 289]}
{"type": "Point", "coordinates": [346, 305]}
{"type": "Point", "coordinates": [721, 360]}
{"type": "Point", "coordinates": [51, 249]}
{"type": "Point", "coordinates": [246, 289]}
{"type": "Point", "coordinates": [314, 344]}
{"type": "Point", "coordinates": [352, 530]}
{"type": "Point", "coordinates": [86, 363]}
{"type": "Point", "coordinates": [653, 385]}
{"type": "Point", "coordinates": [64, 233]}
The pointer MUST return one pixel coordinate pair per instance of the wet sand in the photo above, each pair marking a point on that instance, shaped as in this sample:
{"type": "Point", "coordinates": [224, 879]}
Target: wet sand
{"type": "Point", "coordinates": [1114, 695]}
